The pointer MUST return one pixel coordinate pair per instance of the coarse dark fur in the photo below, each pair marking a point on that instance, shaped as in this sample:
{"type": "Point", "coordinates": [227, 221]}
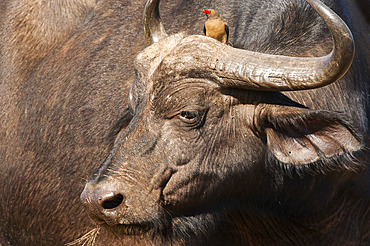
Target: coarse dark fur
{"type": "Point", "coordinates": [64, 84]}
{"type": "Point", "coordinates": [198, 164]}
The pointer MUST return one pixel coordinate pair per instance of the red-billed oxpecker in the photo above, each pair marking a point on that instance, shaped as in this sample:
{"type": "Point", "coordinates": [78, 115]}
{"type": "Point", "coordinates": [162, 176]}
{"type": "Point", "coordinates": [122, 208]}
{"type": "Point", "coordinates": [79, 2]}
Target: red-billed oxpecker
{"type": "Point", "coordinates": [215, 27]}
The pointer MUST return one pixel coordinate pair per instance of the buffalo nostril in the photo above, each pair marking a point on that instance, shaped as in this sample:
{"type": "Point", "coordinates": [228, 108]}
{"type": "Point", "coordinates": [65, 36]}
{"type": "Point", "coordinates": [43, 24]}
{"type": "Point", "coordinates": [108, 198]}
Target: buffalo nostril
{"type": "Point", "coordinates": [112, 202]}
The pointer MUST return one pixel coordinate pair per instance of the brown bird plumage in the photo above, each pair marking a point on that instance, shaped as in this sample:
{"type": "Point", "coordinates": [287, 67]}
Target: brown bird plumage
{"type": "Point", "coordinates": [215, 27]}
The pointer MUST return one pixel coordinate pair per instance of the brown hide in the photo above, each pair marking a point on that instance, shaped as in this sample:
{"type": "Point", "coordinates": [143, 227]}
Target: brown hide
{"type": "Point", "coordinates": [65, 70]}
{"type": "Point", "coordinates": [63, 83]}
{"type": "Point", "coordinates": [205, 162]}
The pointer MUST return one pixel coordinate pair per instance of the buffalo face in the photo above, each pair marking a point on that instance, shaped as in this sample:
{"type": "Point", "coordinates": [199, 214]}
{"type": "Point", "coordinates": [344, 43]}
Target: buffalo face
{"type": "Point", "coordinates": [190, 147]}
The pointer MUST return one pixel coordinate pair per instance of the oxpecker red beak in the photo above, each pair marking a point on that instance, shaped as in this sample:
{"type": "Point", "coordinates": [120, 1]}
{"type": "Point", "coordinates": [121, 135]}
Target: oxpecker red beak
{"type": "Point", "coordinates": [206, 11]}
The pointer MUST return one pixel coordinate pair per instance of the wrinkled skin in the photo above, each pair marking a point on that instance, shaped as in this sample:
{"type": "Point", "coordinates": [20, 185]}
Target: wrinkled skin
{"type": "Point", "coordinates": [64, 82]}
{"type": "Point", "coordinates": [203, 164]}
{"type": "Point", "coordinates": [64, 102]}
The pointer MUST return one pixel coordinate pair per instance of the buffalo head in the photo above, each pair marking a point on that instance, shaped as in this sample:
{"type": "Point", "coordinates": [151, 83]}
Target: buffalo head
{"type": "Point", "coordinates": [208, 125]}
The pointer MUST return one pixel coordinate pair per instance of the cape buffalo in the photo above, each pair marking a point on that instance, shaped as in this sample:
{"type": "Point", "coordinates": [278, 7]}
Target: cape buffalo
{"type": "Point", "coordinates": [65, 72]}
{"type": "Point", "coordinates": [216, 154]}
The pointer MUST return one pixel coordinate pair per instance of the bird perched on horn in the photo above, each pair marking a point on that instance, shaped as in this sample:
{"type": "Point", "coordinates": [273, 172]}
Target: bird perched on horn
{"type": "Point", "coordinates": [215, 27]}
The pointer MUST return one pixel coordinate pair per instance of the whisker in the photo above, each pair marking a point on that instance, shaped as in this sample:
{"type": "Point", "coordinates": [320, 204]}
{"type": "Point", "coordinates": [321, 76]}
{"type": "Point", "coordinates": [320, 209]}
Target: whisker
{"type": "Point", "coordinates": [87, 239]}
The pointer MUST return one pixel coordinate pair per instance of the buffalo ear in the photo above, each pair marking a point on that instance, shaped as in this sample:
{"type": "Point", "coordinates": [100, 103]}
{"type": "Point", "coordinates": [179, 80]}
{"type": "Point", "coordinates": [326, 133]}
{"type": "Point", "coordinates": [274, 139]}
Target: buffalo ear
{"type": "Point", "coordinates": [301, 136]}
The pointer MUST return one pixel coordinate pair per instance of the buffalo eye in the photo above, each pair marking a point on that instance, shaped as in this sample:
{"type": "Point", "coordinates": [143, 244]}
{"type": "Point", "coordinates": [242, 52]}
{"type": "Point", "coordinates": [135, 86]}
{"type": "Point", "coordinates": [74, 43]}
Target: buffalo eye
{"type": "Point", "coordinates": [190, 117]}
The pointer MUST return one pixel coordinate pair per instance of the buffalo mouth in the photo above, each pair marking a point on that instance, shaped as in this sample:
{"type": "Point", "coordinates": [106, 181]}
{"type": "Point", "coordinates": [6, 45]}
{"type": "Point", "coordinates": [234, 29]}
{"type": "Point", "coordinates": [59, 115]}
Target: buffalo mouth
{"type": "Point", "coordinates": [127, 229]}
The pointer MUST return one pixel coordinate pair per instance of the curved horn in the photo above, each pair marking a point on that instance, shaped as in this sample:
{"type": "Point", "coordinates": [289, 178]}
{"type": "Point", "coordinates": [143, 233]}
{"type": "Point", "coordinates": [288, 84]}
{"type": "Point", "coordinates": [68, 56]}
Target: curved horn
{"type": "Point", "coordinates": [232, 67]}
{"type": "Point", "coordinates": [153, 27]}
{"type": "Point", "coordinates": [292, 73]}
